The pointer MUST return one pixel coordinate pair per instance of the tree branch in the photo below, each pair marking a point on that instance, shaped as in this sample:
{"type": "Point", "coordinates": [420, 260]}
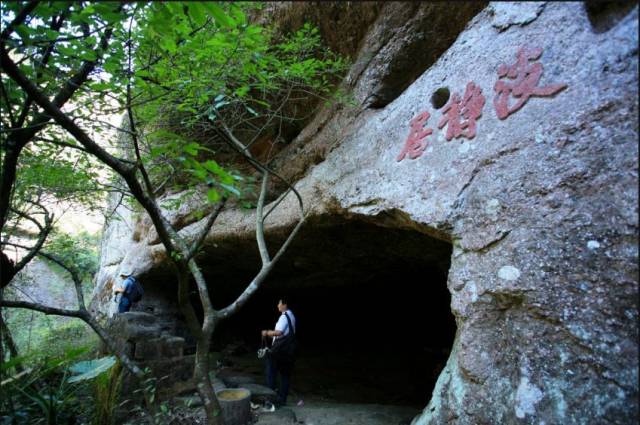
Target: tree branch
{"type": "Point", "coordinates": [77, 280]}
{"type": "Point", "coordinates": [48, 51]}
{"type": "Point", "coordinates": [5, 96]}
{"type": "Point", "coordinates": [27, 217]}
{"type": "Point", "coordinates": [262, 245]}
{"type": "Point", "coordinates": [203, 233]}
{"type": "Point", "coordinates": [18, 20]}
{"type": "Point", "coordinates": [18, 139]}
{"type": "Point", "coordinates": [60, 143]}
{"type": "Point", "coordinates": [127, 172]}
{"type": "Point", "coordinates": [43, 308]}
{"type": "Point", "coordinates": [259, 278]}
{"type": "Point", "coordinates": [42, 237]}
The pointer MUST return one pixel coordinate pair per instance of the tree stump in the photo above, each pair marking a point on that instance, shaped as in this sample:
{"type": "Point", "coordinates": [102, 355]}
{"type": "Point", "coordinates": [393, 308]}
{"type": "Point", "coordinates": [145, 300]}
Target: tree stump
{"type": "Point", "coordinates": [236, 406]}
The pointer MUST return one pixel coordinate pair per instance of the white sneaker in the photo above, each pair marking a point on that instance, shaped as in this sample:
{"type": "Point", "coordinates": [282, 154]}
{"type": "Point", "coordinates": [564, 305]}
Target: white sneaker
{"type": "Point", "coordinates": [268, 407]}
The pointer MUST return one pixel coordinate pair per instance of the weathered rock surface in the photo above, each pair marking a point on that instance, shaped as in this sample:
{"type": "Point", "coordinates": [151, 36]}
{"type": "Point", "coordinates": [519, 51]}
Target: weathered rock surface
{"type": "Point", "coordinates": [541, 209]}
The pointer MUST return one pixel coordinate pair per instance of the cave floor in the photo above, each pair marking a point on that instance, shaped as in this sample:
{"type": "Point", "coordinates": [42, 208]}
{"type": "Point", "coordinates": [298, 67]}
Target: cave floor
{"type": "Point", "coordinates": [349, 378]}
{"type": "Point", "coordinates": [338, 390]}
{"type": "Point", "coordinates": [317, 413]}
{"type": "Point", "coordinates": [341, 394]}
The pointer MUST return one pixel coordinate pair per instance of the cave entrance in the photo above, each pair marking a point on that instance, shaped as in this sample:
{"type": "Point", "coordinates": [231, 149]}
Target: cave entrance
{"type": "Point", "coordinates": [372, 310]}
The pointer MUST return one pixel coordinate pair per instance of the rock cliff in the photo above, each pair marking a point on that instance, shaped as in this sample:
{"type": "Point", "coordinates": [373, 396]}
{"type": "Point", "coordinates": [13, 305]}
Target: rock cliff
{"type": "Point", "coordinates": [540, 206]}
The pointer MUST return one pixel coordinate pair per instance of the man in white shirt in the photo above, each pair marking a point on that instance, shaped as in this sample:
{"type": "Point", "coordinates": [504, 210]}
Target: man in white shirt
{"type": "Point", "coordinates": [286, 324]}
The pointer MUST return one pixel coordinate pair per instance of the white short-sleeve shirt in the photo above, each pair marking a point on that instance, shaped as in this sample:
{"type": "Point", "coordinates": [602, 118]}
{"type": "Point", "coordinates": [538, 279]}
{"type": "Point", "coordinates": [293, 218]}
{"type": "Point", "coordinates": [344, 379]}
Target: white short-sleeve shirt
{"type": "Point", "coordinates": [283, 325]}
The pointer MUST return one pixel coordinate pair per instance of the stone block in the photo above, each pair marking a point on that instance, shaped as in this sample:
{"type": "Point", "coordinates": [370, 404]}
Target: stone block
{"type": "Point", "coordinates": [180, 368]}
{"type": "Point", "coordinates": [172, 347]}
{"type": "Point", "coordinates": [234, 381]}
{"type": "Point", "coordinates": [149, 350]}
{"type": "Point", "coordinates": [260, 393]}
{"type": "Point", "coordinates": [135, 332]}
{"type": "Point", "coordinates": [144, 319]}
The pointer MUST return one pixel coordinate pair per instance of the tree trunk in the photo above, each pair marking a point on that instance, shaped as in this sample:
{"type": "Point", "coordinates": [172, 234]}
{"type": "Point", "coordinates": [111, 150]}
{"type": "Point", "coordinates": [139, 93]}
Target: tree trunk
{"type": "Point", "coordinates": [203, 382]}
{"type": "Point", "coordinates": [203, 343]}
{"type": "Point", "coordinates": [7, 341]}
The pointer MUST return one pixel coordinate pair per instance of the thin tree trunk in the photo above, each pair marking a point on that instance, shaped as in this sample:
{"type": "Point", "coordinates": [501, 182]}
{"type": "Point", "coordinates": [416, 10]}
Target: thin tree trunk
{"type": "Point", "coordinates": [203, 382]}
{"type": "Point", "coordinates": [7, 340]}
{"type": "Point", "coordinates": [203, 343]}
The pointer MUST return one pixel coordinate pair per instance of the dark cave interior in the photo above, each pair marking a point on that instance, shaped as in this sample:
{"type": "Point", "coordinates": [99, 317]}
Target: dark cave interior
{"type": "Point", "coordinates": [372, 310]}
{"type": "Point", "coordinates": [370, 300]}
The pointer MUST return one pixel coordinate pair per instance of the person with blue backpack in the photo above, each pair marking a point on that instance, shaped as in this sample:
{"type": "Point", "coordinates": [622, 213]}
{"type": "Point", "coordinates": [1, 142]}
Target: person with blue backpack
{"type": "Point", "coordinates": [131, 291]}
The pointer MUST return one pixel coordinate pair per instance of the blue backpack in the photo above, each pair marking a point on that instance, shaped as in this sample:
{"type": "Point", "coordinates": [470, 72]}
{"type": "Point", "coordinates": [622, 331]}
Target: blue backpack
{"type": "Point", "coordinates": [135, 291]}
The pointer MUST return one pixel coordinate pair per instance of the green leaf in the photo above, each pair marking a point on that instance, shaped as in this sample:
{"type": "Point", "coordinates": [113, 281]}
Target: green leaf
{"type": "Point", "coordinates": [88, 55]}
{"type": "Point", "coordinates": [176, 8]}
{"type": "Point", "coordinates": [107, 11]}
{"type": "Point", "coordinates": [231, 189]}
{"type": "Point", "coordinates": [242, 91]}
{"type": "Point", "coordinates": [51, 34]}
{"type": "Point", "coordinates": [191, 148]}
{"type": "Point", "coordinates": [213, 195]}
{"type": "Point", "coordinates": [89, 369]}
{"type": "Point", "coordinates": [100, 86]}
{"type": "Point", "coordinates": [212, 166]}
{"type": "Point", "coordinates": [197, 13]}
{"type": "Point", "coordinates": [66, 50]}
{"type": "Point", "coordinates": [24, 31]}
{"type": "Point", "coordinates": [169, 44]}
{"type": "Point", "coordinates": [219, 15]}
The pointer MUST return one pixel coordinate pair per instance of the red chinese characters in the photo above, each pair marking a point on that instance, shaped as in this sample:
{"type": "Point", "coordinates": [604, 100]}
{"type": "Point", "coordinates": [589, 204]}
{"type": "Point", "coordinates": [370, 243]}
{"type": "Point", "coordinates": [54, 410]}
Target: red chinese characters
{"type": "Point", "coordinates": [416, 143]}
{"type": "Point", "coordinates": [525, 78]}
{"type": "Point", "coordinates": [461, 115]}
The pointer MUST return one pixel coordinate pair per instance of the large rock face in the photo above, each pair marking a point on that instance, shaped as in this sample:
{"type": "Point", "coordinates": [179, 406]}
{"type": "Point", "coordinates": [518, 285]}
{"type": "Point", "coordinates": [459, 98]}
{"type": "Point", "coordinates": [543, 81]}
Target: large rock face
{"type": "Point", "coordinates": [540, 207]}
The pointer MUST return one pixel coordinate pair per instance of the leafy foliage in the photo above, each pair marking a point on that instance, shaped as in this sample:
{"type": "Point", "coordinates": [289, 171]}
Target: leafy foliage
{"type": "Point", "coordinates": [79, 251]}
{"type": "Point", "coordinates": [212, 64]}
{"type": "Point", "coordinates": [189, 65]}
{"type": "Point", "coordinates": [106, 392]}
{"type": "Point", "coordinates": [89, 369]}
{"type": "Point", "coordinates": [35, 332]}
{"type": "Point", "coordinates": [42, 393]}
{"type": "Point", "coordinates": [57, 174]}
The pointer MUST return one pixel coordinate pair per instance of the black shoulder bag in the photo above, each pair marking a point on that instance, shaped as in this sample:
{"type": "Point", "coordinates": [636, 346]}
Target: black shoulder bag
{"type": "Point", "coordinates": [284, 347]}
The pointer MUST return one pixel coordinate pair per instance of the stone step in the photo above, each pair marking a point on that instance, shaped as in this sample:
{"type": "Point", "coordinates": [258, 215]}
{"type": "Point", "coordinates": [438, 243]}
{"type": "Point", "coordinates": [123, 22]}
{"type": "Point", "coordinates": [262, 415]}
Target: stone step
{"type": "Point", "coordinates": [234, 381]}
{"type": "Point", "coordinates": [260, 393]}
